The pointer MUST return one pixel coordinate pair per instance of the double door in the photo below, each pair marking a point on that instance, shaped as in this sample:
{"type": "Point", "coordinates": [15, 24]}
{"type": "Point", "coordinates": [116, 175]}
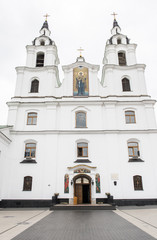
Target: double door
{"type": "Point", "coordinates": [83, 190]}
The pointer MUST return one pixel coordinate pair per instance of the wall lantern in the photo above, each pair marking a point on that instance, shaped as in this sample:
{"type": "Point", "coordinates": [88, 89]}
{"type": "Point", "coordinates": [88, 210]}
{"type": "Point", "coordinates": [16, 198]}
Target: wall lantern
{"type": "Point", "coordinates": [72, 182]}
{"type": "Point", "coordinates": [115, 183]}
{"type": "Point", "coordinates": [92, 182]}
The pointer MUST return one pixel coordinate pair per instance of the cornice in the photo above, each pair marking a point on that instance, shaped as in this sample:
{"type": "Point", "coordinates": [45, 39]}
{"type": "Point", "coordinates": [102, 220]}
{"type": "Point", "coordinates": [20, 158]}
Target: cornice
{"type": "Point", "coordinates": [85, 131]}
{"type": "Point", "coordinates": [90, 100]}
{"type": "Point", "coordinates": [37, 69]}
{"type": "Point", "coordinates": [114, 66]}
{"type": "Point", "coordinates": [34, 48]}
{"type": "Point", "coordinates": [84, 64]}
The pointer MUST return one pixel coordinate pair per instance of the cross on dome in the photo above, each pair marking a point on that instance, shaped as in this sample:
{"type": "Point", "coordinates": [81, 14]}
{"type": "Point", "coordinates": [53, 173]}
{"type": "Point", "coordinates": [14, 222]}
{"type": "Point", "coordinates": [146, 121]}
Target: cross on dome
{"type": "Point", "coordinates": [114, 14]}
{"type": "Point", "coordinates": [116, 29]}
{"type": "Point", "coordinates": [80, 50]}
{"type": "Point", "coordinates": [46, 16]}
{"type": "Point", "coordinates": [45, 28]}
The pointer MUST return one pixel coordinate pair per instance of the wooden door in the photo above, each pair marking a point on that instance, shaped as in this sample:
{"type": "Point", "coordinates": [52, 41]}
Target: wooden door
{"type": "Point", "coordinates": [78, 193]}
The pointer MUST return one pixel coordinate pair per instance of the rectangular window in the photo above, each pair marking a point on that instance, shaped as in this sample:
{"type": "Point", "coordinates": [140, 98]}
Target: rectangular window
{"type": "Point", "coordinates": [133, 149]}
{"type": "Point", "coordinates": [137, 182]}
{"type": "Point", "coordinates": [122, 59]}
{"type": "Point", "coordinates": [80, 119]}
{"type": "Point", "coordinates": [130, 117]}
{"type": "Point", "coordinates": [30, 150]}
{"type": "Point", "coordinates": [32, 119]}
{"type": "Point", "coordinates": [40, 60]}
{"type": "Point", "coordinates": [27, 185]}
{"type": "Point", "coordinates": [82, 150]}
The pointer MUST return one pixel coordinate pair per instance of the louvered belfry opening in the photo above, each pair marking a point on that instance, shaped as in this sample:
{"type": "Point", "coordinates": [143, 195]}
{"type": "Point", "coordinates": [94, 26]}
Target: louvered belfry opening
{"type": "Point", "coordinates": [40, 60]}
{"type": "Point", "coordinates": [122, 59]}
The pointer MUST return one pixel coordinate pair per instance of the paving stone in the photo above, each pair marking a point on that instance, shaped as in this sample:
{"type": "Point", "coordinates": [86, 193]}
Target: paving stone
{"type": "Point", "coordinates": [83, 225]}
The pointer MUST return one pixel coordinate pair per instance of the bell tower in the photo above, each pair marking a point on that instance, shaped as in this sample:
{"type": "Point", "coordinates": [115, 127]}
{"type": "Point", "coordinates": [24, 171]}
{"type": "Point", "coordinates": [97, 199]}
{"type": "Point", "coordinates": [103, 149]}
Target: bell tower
{"type": "Point", "coordinates": [43, 51]}
{"type": "Point", "coordinates": [119, 63]}
{"type": "Point", "coordinates": [41, 65]}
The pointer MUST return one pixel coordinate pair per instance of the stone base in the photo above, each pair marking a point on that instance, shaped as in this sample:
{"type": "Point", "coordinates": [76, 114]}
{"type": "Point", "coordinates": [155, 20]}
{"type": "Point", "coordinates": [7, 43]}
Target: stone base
{"type": "Point", "coordinates": [20, 203]}
{"type": "Point", "coordinates": [71, 200]}
{"type": "Point", "coordinates": [93, 201]}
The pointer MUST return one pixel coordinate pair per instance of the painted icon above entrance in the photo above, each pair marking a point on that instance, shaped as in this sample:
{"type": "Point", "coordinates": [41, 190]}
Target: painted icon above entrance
{"type": "Point", "coordinates": [80, 81]}
{"type": "Point", "coordinates": [82, 170]}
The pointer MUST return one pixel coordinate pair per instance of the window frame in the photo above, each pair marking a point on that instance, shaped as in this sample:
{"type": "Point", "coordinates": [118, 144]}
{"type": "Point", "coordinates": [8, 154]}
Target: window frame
{"type": "Point", "coordinates": [136, 187]}
{"type": "Point", "coordinates": [126, 85]}
{"type": "Point", "coordinates": [42, 42]}
{"type": "Point", "coordinates": [119, 41]}
{"type": "Point", "coordinates": [34, 88]}
{"type": "Point", "coordinates": [30, 150]}
{"type": "Point", "coordinates": [130, 116]}
{"type": "Point", "coordinates": [40, 61]}
{"type": "Point", "coordinates": [29, 186]}
{"type": "Point", "coordinates": [133, 147]}
{"type": "Point", "coordinates": [83, 156]}
{"type": "Point", "coordinates": [32, 118]}
{"type": "Point", "coordinates": [85, 119]}
{"type": "Point", "coordinates": [120, 58]}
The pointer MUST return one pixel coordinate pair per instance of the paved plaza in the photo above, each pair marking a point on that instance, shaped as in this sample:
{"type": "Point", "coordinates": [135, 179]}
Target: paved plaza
{"type": "Point", "coordinates": [125, 223]}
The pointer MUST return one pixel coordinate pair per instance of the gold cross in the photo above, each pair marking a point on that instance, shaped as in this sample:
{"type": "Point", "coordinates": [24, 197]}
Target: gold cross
{"type": "Point", "coordinates": [46, 16]}
{"type": "Point", "coordinates": [80, 50]}
{"type": "Point", "coordinates": [114, 14]}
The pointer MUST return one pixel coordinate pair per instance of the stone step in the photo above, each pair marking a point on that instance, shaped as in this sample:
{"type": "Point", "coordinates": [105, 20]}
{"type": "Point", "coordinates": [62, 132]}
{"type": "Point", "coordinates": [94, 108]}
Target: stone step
{"type": "Point", "coordinates": [83, 207]}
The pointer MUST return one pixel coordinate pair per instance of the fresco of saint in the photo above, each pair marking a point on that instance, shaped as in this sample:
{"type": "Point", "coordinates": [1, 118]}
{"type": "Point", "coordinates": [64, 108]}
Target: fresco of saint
{"type": "Point", "coordinates": [80, 81]}
{"type": "Point", "coordinates": [97, 180]}
{"type": "Point", "coordinates": [66, 183]}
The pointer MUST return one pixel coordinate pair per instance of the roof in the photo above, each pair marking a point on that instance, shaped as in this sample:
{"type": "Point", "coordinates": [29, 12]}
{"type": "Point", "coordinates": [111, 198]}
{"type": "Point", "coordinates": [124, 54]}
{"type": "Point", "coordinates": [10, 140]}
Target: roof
{"type": "Point", "coordinates": [4, 126]}
{"type": "Point", "coordinates": [45, 25]}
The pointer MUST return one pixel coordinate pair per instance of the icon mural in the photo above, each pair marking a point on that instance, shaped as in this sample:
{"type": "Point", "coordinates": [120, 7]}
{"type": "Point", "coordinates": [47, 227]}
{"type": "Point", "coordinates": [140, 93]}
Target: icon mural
{"type": "Point", "coordinates": [80, 81]}
{"type": "Point", "coordinates": [66, 183]}
{"type": "Point", "coordinates": [97, 180]}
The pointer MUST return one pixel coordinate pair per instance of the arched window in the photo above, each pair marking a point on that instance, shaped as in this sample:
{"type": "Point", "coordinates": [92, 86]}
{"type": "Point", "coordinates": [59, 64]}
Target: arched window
{"type": "Point", "coordinates": [82, 149]}
{"type": "Point", "coordinates": [133, 149]}
{"type": "Point", "coordinates": [80, 119]}
{"type": "Point", "coordinates": [31, 118]}
{"type": "Point", "coordinates": [34, 86]}
{"type": "Point", "coordinates": [30, 150]}
{"type": "Point", "coordinates": [27, 184]}
{"type": "Point", "coordinates": [40, 59]}
{"type": "Point", "coordinates": [137, 182]}
{"type": "Point", "coordinates": [42, 42]}
{"type": "Point", "coordinates": [122, 58]}
{"type": "Point", "coordinates": [119, 41]}
{"type": "Point", "coordinates": [130, 117]}
{"type": "Point", "coordinates": [126, 85]}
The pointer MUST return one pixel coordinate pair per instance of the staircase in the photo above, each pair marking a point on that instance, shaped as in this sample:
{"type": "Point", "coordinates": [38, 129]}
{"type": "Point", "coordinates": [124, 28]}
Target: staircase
{"type": "Point", "coordinates": [83, 207]}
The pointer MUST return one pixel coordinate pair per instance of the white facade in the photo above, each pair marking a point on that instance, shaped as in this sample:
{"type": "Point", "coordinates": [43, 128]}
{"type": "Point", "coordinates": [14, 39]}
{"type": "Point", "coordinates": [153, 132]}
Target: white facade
{"type": "Point", "coordinates": [56, 135]}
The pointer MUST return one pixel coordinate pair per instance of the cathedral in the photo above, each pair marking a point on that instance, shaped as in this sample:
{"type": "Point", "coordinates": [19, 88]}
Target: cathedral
{"type": "Point", "coordinates": [83, 138]}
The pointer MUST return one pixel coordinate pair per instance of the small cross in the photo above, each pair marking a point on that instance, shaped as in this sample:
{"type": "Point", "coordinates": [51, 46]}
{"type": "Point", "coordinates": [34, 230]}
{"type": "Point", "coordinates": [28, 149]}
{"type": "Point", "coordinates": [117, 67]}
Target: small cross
{"type": "Point", "coordinates": [46, 16]}
{"type": "Point", "coordinates": [80, 50]}
{"type": "Point", "coordinates": [114, 14]}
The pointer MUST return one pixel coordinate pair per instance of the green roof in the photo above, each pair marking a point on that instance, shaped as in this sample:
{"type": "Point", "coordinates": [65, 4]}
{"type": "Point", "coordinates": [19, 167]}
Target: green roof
{"type": "Point", "coordinates": [4, 126]}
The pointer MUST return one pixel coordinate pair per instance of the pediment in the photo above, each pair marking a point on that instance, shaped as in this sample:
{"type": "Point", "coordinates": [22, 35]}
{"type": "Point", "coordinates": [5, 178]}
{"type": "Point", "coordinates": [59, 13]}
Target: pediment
{"type": "Point", "coordinates": [70, 67]}
{"type": "Point", "coordinates": [80, 108]}
{"type": "Point", "coordinates": [81, 166]}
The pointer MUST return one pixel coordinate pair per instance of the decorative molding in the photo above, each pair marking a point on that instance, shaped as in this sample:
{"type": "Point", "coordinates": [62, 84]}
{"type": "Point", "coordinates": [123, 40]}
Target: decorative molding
{"type": "Point", "coordinates": [126, 67]}
{"type": "Point", "coordinates": [84, 64]}
{"type": "Point", "coordinates": [82, 170]}
{"type": "Point", "coordinates": [86, 131]}
{"type": "Point", "coordinates": [90, 100]}
{"type": "Point", "coordinates": [81, 166]}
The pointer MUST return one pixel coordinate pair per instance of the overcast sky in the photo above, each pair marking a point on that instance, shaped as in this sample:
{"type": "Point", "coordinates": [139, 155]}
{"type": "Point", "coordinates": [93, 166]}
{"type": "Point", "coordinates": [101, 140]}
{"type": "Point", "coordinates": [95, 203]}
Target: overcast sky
{"type": "Point", "coordinates": [85, 23]}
